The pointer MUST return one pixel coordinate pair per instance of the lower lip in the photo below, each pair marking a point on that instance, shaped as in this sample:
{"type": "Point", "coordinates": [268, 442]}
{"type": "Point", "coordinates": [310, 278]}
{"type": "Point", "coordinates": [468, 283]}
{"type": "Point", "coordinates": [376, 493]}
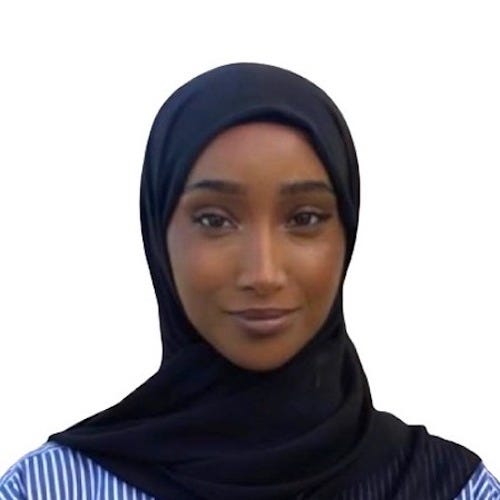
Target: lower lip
{"type": "Point", "coordinates": [264, 327]}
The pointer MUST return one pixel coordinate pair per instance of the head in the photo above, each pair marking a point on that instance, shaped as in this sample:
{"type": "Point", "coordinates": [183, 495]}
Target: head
{"type": "Point", "coordinates": [256, 244]}
{"type": "Point", "coordinates": [228, 225]}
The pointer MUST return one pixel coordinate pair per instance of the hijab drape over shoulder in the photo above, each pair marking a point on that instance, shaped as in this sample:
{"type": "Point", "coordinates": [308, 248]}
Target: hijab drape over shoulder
{"type": "Point", "coordinates": [203, 428]}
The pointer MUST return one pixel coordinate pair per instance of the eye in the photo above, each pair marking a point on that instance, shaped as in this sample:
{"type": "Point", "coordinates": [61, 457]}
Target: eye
{"type": "Point", "coordinates": [304, 217]}
{"type": "Point", "coordinates": [210, 220]}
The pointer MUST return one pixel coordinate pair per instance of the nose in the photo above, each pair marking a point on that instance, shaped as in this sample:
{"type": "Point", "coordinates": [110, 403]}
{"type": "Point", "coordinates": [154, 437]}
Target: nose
{"type": "Point", "coordinates": [261, 262]}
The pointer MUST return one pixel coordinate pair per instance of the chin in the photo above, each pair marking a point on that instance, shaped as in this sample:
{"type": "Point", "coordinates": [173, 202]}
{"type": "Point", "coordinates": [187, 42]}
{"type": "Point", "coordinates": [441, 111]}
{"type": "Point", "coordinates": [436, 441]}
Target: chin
{"type": "Point", "coordinates": [260, 363]}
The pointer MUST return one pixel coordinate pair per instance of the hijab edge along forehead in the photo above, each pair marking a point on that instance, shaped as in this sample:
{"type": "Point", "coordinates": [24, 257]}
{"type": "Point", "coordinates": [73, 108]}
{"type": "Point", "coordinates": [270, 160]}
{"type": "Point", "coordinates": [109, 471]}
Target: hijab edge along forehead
{"type": "Point", "coordinates": [258, 114]}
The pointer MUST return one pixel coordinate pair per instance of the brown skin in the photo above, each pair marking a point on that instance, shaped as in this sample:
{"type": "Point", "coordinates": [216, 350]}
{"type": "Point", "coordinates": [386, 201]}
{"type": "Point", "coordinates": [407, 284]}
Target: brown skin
{"type": "Point", "coordinates": [261, 249]}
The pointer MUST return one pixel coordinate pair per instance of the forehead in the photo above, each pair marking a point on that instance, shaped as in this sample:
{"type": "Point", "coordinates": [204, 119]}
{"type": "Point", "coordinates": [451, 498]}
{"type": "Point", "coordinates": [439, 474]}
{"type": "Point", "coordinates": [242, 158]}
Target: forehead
{"type": "Point", "coordinates": [259, 150]}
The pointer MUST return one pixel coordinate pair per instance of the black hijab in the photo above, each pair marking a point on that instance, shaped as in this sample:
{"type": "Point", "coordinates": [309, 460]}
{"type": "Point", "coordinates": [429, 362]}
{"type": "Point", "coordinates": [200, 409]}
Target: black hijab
{"type": "Point", "coordinates": [203, 428]}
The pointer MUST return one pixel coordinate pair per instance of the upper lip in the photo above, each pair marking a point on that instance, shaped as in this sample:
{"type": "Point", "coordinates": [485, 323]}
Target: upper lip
{"type": "Point", "coordinates": [261, 313]}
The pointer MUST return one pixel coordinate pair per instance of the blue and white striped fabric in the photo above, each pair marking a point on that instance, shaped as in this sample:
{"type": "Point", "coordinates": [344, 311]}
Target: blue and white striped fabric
{"type": "Point", "coordinates": [482, 485]}
{"type": "Point", "coordinates": [55, 472]}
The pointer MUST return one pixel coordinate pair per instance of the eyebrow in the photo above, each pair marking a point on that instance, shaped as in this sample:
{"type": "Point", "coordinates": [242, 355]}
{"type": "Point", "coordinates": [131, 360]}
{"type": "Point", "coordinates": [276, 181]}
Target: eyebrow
{"type": "Point", "coordinates": [234, 188]}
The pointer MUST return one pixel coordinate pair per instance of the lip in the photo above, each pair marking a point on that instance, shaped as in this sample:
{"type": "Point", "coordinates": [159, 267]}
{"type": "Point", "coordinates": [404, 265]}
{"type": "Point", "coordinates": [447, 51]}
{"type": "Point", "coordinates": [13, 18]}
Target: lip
{"type": "Point", "coordinates": [263, 321]}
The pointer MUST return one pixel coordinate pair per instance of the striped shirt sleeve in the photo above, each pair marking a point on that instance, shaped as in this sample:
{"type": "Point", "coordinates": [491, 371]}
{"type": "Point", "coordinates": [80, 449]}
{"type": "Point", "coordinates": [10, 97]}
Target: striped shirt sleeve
{"type": "Point", "coordinates": [55, 472]}
{"type": "Point", "coordinates": [11, 485]}
{"type": "Point", "coordinates": [481, 486]}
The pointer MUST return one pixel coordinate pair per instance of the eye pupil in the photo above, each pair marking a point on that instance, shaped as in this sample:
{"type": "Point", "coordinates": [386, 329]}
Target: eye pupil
{"type": "Point", "coordinates": [304, 217]}
{"type": "Point", "coordinates": [217, 220]}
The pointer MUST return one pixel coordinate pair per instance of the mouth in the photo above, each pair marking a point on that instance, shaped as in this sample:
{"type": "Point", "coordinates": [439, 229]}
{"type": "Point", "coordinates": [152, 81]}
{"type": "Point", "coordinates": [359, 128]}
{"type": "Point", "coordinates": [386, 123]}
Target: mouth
{"type": "Point", "coordinates": [263, 321]}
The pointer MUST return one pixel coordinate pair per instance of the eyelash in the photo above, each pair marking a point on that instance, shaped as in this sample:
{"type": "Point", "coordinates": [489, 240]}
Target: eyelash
{"type": "Point", "coordinates": [197, 219]}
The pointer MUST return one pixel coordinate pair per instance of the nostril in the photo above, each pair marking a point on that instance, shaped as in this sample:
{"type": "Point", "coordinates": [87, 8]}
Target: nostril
{"type": "Point", "coordinates": [264, 279]}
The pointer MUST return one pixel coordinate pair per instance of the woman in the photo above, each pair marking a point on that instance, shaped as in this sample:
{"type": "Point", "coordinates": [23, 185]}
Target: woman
{"type": "Point", "coordinates": [249, 212]}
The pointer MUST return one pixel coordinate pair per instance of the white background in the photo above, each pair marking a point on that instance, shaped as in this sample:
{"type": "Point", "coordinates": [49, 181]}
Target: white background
{"type": "Point", "coordinates": [418, 83]}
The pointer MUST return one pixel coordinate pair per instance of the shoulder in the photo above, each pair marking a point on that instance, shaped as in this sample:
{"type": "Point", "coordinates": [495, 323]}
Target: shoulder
{"type": "Point", "coordinates": [455, 460]}
{"type": "Point", "coordinates": [43, 471]}
{"type": "Point", "coordinates": [55, 471]}
{"type": "Point", "coordinates": [482, 484]}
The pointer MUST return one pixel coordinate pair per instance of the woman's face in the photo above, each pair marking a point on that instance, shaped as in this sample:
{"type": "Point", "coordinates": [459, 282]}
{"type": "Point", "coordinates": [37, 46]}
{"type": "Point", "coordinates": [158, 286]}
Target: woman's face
{"type": "Point", "coordinates": [257, 227]}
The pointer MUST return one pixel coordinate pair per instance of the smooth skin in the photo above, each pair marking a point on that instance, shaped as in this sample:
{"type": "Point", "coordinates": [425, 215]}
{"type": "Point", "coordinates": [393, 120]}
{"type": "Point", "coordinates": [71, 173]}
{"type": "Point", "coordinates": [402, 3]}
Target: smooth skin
{"type": "Point", "coordinates": [254, 247]}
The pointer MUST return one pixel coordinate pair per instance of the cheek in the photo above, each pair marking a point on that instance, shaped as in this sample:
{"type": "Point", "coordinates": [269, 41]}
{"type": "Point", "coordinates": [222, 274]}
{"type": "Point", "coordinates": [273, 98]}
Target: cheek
{"type": "Point", "coordinates": [198, 269]}
{"type": "Point", "coordinates": [318, 271]}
